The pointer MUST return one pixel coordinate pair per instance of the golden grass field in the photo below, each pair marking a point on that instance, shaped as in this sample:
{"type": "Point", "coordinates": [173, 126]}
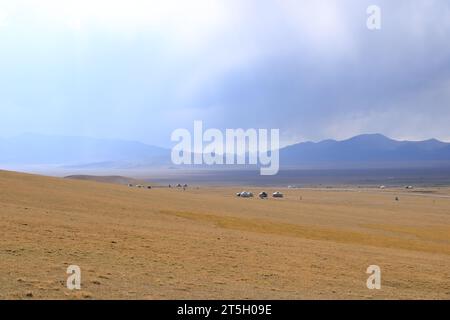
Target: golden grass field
{"type": "Point", "coordinates": [206, 243]}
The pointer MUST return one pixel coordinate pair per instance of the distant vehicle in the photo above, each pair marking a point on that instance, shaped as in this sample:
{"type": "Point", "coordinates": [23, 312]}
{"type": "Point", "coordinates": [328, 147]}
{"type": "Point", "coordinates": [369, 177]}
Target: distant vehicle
{"type": "Point", "coordinates": [409, 187]}
{"type": "Point", "coordinates": [277, 194]}
{"type": "Point", "coordinates": [263, 195]}
{"type": "Point", "coordinates": [382, 187]}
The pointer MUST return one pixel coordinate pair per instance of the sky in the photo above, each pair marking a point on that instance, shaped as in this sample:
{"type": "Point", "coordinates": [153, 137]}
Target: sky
{"type": "Point", "coordinates": [139, 69]}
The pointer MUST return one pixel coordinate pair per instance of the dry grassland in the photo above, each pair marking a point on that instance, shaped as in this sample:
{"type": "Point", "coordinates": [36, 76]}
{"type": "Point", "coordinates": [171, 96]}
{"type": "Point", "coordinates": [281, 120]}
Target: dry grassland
{"type": "Point", "coordinates": [207, 243]}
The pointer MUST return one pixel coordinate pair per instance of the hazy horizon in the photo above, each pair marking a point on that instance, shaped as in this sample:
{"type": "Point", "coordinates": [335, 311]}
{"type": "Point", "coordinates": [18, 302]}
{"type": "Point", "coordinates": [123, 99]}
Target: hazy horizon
{"type": "Point", "coordinates": [168, 146]}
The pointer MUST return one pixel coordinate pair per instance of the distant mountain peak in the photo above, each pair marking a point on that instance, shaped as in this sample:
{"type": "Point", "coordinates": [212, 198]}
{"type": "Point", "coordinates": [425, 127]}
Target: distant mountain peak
{"type": "Point", "coordinates": [366, 148]}
{"type": "Point", "coordinates": [370, 137]}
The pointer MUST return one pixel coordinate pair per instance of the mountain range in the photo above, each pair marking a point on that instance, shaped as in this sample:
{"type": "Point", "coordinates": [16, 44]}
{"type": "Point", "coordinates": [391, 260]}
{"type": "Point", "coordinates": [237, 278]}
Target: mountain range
{"type": "Point", "coordinates": [365, 150]}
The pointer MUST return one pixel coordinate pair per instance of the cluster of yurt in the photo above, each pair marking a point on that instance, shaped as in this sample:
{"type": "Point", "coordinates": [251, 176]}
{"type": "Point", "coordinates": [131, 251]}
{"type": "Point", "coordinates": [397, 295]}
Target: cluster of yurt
{"type": "Point", "coordinates": [139, 186]}
{"type": "Point", "coordinates": [261, 195]}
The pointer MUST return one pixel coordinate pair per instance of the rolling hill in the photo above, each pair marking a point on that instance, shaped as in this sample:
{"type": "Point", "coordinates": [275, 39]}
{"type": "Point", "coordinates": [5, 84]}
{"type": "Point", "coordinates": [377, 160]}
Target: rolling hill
{"type": "Point", "coordinates": [206, 243]}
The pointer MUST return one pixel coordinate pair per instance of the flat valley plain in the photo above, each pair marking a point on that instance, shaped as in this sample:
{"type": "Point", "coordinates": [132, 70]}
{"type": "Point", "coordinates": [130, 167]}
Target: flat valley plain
{"type": "Point", "coordinates": [206, 243]}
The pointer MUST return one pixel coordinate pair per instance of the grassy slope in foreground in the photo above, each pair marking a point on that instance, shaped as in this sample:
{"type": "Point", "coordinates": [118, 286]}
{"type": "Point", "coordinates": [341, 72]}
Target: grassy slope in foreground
{"type": "Point", "coordinates": [206, 243]}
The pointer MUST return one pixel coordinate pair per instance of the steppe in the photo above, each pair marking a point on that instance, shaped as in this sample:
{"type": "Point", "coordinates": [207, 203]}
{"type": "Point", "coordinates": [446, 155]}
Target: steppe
{"type": "Point", "coordinates": [206, 243]}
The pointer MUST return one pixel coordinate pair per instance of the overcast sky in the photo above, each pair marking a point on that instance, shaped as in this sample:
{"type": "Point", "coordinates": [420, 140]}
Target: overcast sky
{"type": "Point", "coordinates": [140, 69]}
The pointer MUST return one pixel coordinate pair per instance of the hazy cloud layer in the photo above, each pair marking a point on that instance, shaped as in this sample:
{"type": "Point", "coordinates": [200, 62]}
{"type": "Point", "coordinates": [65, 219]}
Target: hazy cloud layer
{"type": "Point", "coordinates": [140, 69]}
